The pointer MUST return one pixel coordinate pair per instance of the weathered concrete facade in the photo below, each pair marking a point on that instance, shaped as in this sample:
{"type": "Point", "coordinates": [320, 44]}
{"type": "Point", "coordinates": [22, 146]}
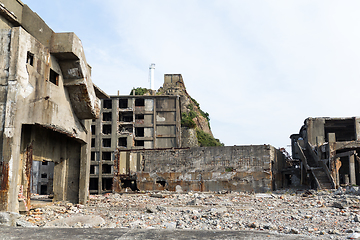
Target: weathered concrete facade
{"type": "Point", "coordinates": [131, 122]}
{"type": "Point", "coordinates": [46, 97]}
{"type": "Point", "coordinates": [254, 168]}
{"type": "Point", "coordinates": [328, 150]}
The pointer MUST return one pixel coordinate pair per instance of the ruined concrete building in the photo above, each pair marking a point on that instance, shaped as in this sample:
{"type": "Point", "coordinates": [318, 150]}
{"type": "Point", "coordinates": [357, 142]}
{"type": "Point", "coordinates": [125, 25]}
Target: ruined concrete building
{"type": "Point", "coordinates": [47, 101]}
{"type": "Point", "coordinates": [327, 150]}
{"type": "Point", "coordinates": [254, 168]}
{"type": "Point", "coordinates": [131, 122]}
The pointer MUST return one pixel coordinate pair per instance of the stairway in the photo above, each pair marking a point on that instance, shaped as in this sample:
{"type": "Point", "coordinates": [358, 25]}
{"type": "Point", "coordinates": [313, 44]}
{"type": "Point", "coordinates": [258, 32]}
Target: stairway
{"type": "Point", "coordinates": [322, 179]}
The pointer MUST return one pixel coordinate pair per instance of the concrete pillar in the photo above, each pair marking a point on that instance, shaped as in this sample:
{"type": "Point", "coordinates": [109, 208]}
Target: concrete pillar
{"type": "Point", "coordinates": [352, 169]}
{"type": "Point", "coordinates": [85, 166]}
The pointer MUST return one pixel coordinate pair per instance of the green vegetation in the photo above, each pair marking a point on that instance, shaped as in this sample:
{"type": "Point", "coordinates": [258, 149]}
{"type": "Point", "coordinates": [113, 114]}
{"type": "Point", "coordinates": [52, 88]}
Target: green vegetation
{"type": "Point", "coordinates": [204, 114]}
{"type": "Point", "coordinates": [187, 120]}
{"type": "Point", "coordinates": [206, 140]}
{"type": "Point", "coordinates": [139, 91]}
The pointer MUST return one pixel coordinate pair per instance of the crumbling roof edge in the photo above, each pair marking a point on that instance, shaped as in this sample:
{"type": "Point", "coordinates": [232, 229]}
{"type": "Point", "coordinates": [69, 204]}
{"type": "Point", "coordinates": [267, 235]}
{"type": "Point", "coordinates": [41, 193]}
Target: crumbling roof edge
{"type": "Point", "coordinates": [100, 93]}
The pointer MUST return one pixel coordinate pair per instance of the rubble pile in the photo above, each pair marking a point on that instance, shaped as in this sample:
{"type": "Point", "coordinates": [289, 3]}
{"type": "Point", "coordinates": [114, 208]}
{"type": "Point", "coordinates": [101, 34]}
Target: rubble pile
{"type": "Point", "coordinates": [328, 213]}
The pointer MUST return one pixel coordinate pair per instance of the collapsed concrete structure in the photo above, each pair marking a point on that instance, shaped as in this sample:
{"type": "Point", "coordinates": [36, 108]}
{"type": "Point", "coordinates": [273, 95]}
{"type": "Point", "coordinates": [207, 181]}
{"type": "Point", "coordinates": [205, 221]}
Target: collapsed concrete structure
{"type": "Point", "coordinates": [131, 122]}
{"type": "Point", "coordinates": [327, 150]}
{"type": "Point", "coordinates": [47, 99]}
{"type": "Point", "coordinates": [254, 168]}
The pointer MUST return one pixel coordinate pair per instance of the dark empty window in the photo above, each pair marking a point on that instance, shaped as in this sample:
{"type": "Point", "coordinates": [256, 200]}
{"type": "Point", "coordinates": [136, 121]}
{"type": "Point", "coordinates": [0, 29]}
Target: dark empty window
{"type": "Point", "coordinates": [107, 104]}
{"type": "Point", "coordinates": [92, 169]}
{"type": "Point", "coordinates": [107, 129]}
{"type": "Point", "coordinates": [139, 143]}
{"type": "Point", "coordinates": [93, 129]}
{"type": "Point", "coordinates": [93, 142]}
{"type": "Point", "coordinates": [125, 129]}
{"type": "Point", "coordinates": [107, 116]}
{"type": "Point", "coordinates": [123, 142]}
{"type": "Point", "coordinates": [123, 103]}
{"type": "Point", "coordinates": [93, 185]}
{"type": "Point", "coordinates": [54, 77]}
{"type": "Point", "coordinates": [106, 169]}
{"type": "Point", "coordinates": [44, 163]}
{"type": "Point", "coordinates": [106, 156]}
{"type": "Point", "coordinates": [139, 102]}
{"type": "Point", "coordinates": [30, 58]}
{"type": "Point", "coordinates": [107, 184]}
{"type": "Point", "coordinates": [107, 142]}
{"type": "Point", "coordinates": [139, 132]}
{"type": "Point", "coordinates": [93, 156]}
{"type": "Point", "coordinates": [139, 116]}
{"type": "Point", "coordinates": [125, 117]}
{"type": "Point", "coordinates": [43, 175]}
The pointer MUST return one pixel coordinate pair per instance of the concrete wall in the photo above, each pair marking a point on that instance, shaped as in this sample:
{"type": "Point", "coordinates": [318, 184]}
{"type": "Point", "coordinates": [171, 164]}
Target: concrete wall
{"type": "Point", "coordinates": [238, 168]}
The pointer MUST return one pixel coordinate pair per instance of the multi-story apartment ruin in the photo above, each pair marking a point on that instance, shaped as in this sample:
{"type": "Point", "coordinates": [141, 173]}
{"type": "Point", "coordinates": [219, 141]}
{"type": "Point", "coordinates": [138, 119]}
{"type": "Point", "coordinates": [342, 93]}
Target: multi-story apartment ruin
{"type": "Point", "coordinates": [47, 101]}
{"type": "Point", "coordinates": [328, 151]}
{"type": "Point", "coordinates": [131, 122]}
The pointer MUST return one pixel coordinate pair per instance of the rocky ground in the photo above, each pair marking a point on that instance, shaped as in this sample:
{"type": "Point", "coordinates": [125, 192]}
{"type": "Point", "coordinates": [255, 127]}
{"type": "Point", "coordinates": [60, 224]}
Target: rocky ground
{"type": "Point", "coordinates": [319, 214]}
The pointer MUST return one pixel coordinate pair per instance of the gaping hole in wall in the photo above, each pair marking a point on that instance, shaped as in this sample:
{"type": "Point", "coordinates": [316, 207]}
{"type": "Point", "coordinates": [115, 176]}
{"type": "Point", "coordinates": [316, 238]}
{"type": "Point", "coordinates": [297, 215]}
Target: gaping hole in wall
{"type": "Point", "coordinates": [30, 58]}
{"type": "Point", "coordinates": [139, 102]}
{"type": "Point", "coordinates": [92, 156]}
{"type": "Point", "coordinates": [42, 177]}
{"type": "Point", "coordinates": [107, 117]}
{"type": "Point", "coordinates": [43, 190]}
{"type": "Point", "coordinates": [129, 184]}
{"type": "Point", "coordinates": [125, 129]}
{"type": "Point", "coordinates": [106, 156]}
{"type": "Point", "coordinates": [107, 129]}
{"type": "Point", "coordinates": [287, 180]}
{"type": "Point", "coordinates": [106, 142]}
{"type": "Point", "coordinates": [139, 132]}
{"type": "Point", "coordinates": [344, 129]}
{"type": "Point", "coordinates": [161, 182]}
{"type": "Point", "coordinates": [54, 77]}
{"type": "Point", "coordinates": [107, 104]}
{"type": "Point", "coordinates": [123, 103]}
{"type": "Point", "coordinates": [106, 169]}
{"type": "Point", "coordinates": [93, 142]}
{"type": "Point", "coordinates": [93, 129]}
{"type": "Point", "coordinates": [139, 143]}
{"type": "Point", "coordinates": [126, 117]}
{"type": "Point", "coordinates": [107, 184]}
{"type": "Point", "coordinates": [93, 184]}
{"type": "Point", "coordinates": [122, 142]}
{"type": "Point", "coordinates": [139, 118]}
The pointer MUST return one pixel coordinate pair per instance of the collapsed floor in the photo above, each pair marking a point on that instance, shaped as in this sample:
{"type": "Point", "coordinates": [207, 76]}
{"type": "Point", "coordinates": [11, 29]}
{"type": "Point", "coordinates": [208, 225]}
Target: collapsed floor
{"type": "Point", "coordinates": [325, 214]}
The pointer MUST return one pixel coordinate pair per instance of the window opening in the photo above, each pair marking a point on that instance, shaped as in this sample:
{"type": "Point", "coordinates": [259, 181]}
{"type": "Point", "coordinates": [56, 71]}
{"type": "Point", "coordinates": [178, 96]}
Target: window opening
{"type": "Point", "coordinates": [107, 142]}
{"type": "Point", "coordinates": [139, 118]}
{"type": "Point", "coordinates": [106, 156]}
{"type": "Point", "coordinates": [30, 58]}
{"type": "Point", "coordinates": [107, 184]}
{"type": "Point", "coordinates": [92, 156]}
{"type": "Point", "coordinates": [139, 132]}
{"type": "Point", "coordinates": [94, 182]}
{"type": "Point", "coordinates": [125, 117]}
{"type": "Point", "coordinates": [43, 175]}
{"type": "Point", "coordinates": [54, 77]}
{"type": "Point", "coordinates": [123, 103]}
{"type": "Point", "coordinates": [44, 163]}
{"type": "Point", "coordinates": [139, 102]}
{"type": "Point", "coordinates": [107, 116]}
{"type": "Point", "coordinates": [107, 129]}
{"type": "Point", "coordinates": [126, 129]}
{"type": "Point", "coordinates": [94, 169]}
{"type": "Point", "coordinates": [123, 142]}
{"type": "Point", "coordinates": [93, 129]}
{"type": "Point", "coordinates": [93, 142]}
{"type": "Point", "coordinates": [139, 143]}
{"type": "Point", "coordinates": [106, 169]}
{"type": "Point", "coordinates": [107, 104]}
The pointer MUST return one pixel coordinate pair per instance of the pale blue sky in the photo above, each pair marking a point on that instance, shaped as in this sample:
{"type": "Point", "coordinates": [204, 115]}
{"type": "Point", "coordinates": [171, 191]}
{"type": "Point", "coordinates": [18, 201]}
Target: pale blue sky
{"type": "Point", "coordinates": [258, 67]}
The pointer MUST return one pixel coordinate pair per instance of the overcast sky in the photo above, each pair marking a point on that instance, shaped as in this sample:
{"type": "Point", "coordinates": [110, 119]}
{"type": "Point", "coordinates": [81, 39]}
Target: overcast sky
{"type": "Point", "coordinates": [259, 68]}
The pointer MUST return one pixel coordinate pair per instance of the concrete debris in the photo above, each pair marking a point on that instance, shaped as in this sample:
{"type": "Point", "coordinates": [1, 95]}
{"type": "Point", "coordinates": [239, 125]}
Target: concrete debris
{"type": "Point", "coordinates": [283, 211]}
